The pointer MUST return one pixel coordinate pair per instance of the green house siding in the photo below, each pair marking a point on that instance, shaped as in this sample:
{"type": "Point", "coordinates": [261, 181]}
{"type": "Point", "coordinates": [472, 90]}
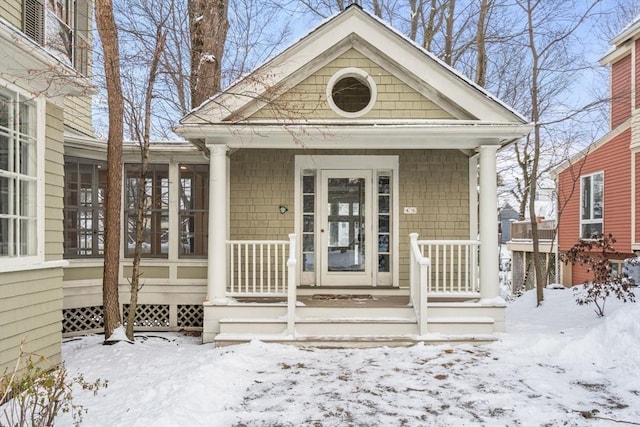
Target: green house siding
{"type": "Point", "coordinates": [54, 184]}
{"type": "Point", "coordinates": [77, 114]}
{"type": "Point", "coordinates": [435, 182]}
{"type": "Point", "coordinates": [11, 11]}
{"type": "Point", "coordinates": [31, 311]}
{"type": "Point", "coordinates": [395, 99]}
{"type": "Point", "coordinates": [31, 308]}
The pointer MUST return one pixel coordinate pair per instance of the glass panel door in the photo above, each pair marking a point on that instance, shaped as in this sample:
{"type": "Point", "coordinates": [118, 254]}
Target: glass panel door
{"type": "Point", "coordinates": [346, 233]}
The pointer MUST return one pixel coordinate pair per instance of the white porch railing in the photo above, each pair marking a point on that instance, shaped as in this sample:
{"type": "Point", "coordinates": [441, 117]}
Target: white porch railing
{"type": "Point", "coordinates": [258, 267]}
{"type": "Point", "coordinates": [454, 265]}
{"type": "Point", "coordinates": [264, 268]}
{"type": "Point", "coordinates": [419, 278]}
{"type": "Point", "coordinates": [441, 267]}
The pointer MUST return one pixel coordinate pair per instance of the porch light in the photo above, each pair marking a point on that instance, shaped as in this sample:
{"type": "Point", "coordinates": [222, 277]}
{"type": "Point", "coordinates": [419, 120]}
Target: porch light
{"type": "Point", "coordinates": [283, 209]}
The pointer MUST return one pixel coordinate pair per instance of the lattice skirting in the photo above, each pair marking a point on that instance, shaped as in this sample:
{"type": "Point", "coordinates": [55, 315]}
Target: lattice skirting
{"type": "Point", "coordinates": [82, 319]}
{"type": "Point", "coordinates": [160, 317]}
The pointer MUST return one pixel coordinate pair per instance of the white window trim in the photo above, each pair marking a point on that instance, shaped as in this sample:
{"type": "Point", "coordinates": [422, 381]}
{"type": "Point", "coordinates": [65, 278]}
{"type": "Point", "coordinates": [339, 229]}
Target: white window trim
{"type": "Point", "coordinates": [19, 263]}
{"type": "Point", "coordinates": [346, 162]}
{"type": "Point", "coordinates": [581, 221]}
{"type": "Point", "coordinates": [360, 75]}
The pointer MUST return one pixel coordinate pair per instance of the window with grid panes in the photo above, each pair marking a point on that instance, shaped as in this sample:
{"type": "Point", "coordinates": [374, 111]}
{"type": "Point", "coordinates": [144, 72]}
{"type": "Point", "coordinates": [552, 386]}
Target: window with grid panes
{"type": "Point", "coordinates": [308, 221]}
{"type": "Point", "coordinates": [592, 206]}
{"type": "Point", "coordinates": [155, 220]}
{"type": "Point", "coordinates": [194, 206]}
{"type": "Point", "coordinates": [18, 175]}
{"type": "Point", "coordinates": [85, 188]}
{"type": "Point", "coordinates": [384, 222]}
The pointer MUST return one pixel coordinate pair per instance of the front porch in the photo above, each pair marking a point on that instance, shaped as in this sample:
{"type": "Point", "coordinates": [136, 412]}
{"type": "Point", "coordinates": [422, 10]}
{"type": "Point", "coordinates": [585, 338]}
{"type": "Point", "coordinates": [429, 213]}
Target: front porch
{"type": "Point", "coordinates": [442, 303]}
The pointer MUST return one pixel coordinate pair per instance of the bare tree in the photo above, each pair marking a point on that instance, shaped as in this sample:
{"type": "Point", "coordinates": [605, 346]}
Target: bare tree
{"type": "Point", "coordinates": [546, 43]}
{"type": "Point", "coordinates": [138, 115]}
{"type": "Point", "coordinates": [208, 26]}
{"type": "Point", "coordinates": [105, 22]}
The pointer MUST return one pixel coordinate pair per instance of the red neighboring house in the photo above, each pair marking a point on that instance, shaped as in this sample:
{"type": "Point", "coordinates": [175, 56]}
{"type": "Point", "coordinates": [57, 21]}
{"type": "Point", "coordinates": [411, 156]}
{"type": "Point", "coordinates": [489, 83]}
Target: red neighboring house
{"type": "Point", "coordinates": [597, 190]}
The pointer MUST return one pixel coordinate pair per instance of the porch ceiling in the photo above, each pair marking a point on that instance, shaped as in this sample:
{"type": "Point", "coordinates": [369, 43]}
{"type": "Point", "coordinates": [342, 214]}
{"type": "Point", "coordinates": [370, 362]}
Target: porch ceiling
{"type": "Point", "coordinates": [447, 134]}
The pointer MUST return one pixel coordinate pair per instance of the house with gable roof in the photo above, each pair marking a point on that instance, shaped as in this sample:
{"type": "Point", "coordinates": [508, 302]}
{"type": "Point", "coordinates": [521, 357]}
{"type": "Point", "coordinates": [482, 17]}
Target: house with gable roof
{"type": "Point", "coordinates": [330, 196]}
{"type": "Point", "coordinates": [359, 155]}
{"type": "Point", "coordinates": [598, 187]}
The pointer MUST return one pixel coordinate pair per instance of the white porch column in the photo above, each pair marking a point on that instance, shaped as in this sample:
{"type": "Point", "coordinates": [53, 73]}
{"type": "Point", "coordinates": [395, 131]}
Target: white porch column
{"type": "Point", "coordinates": [217, 270]}
{"type": "Point", "coordinates": [488, 222]}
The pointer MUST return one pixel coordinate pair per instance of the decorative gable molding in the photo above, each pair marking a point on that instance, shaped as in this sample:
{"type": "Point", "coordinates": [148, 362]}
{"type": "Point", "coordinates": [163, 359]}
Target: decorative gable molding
{"type": "Point", "coordinates": [354, 28]}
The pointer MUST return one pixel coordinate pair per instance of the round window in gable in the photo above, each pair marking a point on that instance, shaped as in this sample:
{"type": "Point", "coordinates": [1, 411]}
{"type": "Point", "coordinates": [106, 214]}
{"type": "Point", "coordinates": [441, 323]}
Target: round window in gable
{"type": "Point", "coordinates": [351, 92]}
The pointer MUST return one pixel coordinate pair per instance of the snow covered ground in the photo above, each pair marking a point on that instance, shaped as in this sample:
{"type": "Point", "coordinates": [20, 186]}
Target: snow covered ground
{"type": "Point", "coordinates": [556, 365]}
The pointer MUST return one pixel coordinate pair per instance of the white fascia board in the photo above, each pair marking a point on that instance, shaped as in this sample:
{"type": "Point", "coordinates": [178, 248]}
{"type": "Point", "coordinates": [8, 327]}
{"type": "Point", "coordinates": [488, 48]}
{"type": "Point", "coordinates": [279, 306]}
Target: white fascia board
{"type": "Point", "coordinates": [272, 72]}
{"type": "Point", "coordinates": [418, 61]}
{"type": "Point", "coordinates": [30, 66]}
{"type": "Point", "coordinates": [615, 54]}
{"type": "Point", "coordinates": [628, 31]}
{"type": "Point", "coordinates": [437, 136]}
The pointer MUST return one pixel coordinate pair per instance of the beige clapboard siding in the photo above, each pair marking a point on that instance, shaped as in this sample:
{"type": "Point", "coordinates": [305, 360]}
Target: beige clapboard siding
{"type": "Point", "coordinates": [148, 272]}
{"type": "Point", "coordinates": [31, 309]}
{"type": "Point", "coordinates": [77, 114]}
{"type": "Point", "coordinates": [11, 11]}
{"type": "Point", "coordinates": [435, 182]}
{"type": "Point", "coordinates": [395, 99]}
{"type": "Point", "coordinates": [54, 183]}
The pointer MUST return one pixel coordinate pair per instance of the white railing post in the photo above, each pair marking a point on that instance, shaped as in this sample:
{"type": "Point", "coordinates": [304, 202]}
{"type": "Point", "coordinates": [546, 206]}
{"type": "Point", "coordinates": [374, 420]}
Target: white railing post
{"type": "Point", "coordinates": [291, 283]}
{"type": "Point", "coordinates": [422, 295]}
{"type": "Point", "coordinates": [419, 282]}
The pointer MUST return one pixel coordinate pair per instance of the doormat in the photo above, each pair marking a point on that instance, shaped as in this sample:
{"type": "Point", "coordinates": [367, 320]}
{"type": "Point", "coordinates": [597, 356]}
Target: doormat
{"type": "Point", "coordinates": [342, 296]}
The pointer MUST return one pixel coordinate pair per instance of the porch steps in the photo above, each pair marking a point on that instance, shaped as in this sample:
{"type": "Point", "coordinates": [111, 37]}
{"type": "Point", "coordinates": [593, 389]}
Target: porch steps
{"type": "Point", "coordinates": [342, 341]}
{"type": "Point", "coordinates": [359, 327]}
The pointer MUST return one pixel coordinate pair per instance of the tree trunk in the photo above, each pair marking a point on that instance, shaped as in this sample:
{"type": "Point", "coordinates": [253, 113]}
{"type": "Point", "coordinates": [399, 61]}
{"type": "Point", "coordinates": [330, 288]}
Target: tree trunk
{"type": "Point", "coordinates": [535, 116]}
{"type": "Point", "coordinates": [105, 22]}
{"type": "Point", "coordinates": [449, 36]}
{"type": "Point", "coordinates": [141, 206]}
{"type": "Point", "coordinates": [208, 27]}
{"type": "Point", "coordinates": [481, 60]}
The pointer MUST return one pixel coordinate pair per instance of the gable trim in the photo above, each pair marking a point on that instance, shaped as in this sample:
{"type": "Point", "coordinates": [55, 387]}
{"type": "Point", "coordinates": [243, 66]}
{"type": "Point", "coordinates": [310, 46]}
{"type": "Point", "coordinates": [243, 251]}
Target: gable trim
{"type": "Point", "coordinates": [408, 55]}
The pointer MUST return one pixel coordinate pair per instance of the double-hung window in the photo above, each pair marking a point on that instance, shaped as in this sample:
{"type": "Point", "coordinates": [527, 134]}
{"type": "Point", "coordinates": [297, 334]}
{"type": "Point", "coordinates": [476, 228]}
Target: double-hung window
{"type": "Point", "coordinates": [62, 27]}
{"type": "Point", "coordinates": [591, 205]}
{"type": "Point", "coordinates": [18, 176]}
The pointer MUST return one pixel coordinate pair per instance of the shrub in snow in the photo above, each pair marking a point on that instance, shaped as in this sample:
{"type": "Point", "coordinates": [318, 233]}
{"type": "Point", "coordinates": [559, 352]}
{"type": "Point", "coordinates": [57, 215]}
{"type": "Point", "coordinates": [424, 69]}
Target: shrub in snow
{"type": "Point", "coordinates": [35, 391]}
{"type": "Point", "coordinates": [595, 255]}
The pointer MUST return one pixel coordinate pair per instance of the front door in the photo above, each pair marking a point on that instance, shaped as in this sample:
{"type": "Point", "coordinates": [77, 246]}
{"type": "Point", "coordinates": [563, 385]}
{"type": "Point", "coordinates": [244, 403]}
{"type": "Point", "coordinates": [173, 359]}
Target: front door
{"type": "Point", "coordinates": [345, 227]}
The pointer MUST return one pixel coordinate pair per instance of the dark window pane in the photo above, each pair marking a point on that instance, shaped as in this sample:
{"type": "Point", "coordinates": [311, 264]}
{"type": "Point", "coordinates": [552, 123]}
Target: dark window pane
{"type": "Point", "coordinates": [384, 184]}
{"type": "Point", "coordinates": [383, 204]}
{"type": "Point", "coordinates": [307, 223]}
{"type": "Point", "coordinates": [308, 204]}
{"type": "Point", "coordinates": [383, 223]}
{"type": "Point", "coordinates": [383, 263]}
{"type": "Point", "coordinates": [351, 94]}
{"type": "Point", "coordinates": [307, 243]}
{"type": "Point", "coordinates": [383, 243]}
{"type": "Point", "coordinates": [308, 184]}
